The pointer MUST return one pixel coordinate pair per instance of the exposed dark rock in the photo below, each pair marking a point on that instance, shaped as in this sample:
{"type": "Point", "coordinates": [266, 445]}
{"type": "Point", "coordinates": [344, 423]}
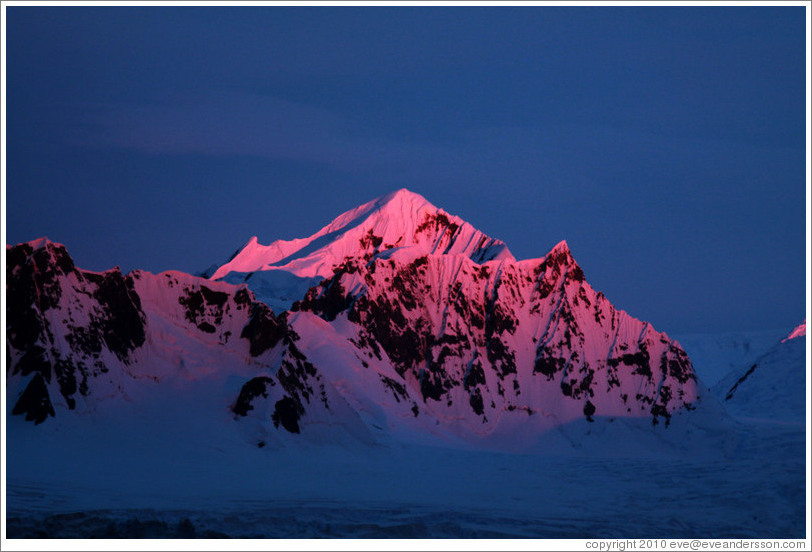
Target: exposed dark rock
{"type": "Point", "coordinates": [678, 364]}
{"type": "Point", "coordinates": [431, 385]}
{"type": "Point", "coordinates": [437, 221]}
{"type": "Point", "coordinates": [297, 376]}
{"type": "Point", "coordinates": [729, 394]}
{"type": "Point", "coordinates": [206, 327]}
{"type": "Point", "coordinates": [31, 288]}
{"type": "Point", "coordinates": [252, 389]}
{"type": "Point", "coordinates": [474, 376]}
{"type": "Point", "coordinates": [589, 410]}
{"type": "Point", "coordinates": [639, 360]}
{"type": "Point", "coordinates": [405, 346]}
{"type": "Point", "coordinates": [398, 389]}
{"type": "Point", "coordinates": [547, 364]}
{"type": "Point", "coordinates": [566, 388]}
{"type": "Point", "coordinates": [67, 376]}
{"type": "Point", "coordinates": [575, 274]}
{"type": "Point", "coordinates": [204, 307]}
{"type": "Point", "coordinates": [122, 327]}
{"type": "Point", "coordinates": [476, 402]}
{"type": "Point", "coordinates": [287, 412]}
{"type": "Point", "coordinates": [328, 299]}
{"type": "Point", "coordinates": [242, 298]}
{"type": "Point", "coordinates": [34, 402]}
{"type": "Point", "coordinates": [370, 240]}
{"type": "Point", "coordinates": [263, 330]}
{"type": "Point", "coordinates": [33, 360]}
{"type": "Point", "coordinates": [35, 280]}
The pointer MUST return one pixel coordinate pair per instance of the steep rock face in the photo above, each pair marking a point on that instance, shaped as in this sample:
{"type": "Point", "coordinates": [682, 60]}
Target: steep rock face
{"type": "Point", "coordinates": [66, 325]}
{"type": "Point", "coordinates": [77, 337]}
{"type": "Point", "coordinates": [479, 340]}
{"type": "Point", "coordinates": [294, 386]}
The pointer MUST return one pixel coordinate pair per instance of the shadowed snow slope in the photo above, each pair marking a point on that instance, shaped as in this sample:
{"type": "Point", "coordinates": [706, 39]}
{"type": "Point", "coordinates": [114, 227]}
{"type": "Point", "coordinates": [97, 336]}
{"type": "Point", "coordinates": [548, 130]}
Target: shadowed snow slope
{"type": "Point", "coordinates": [715, 355]}
{"type": "Point", "coordinates": [774, 386]}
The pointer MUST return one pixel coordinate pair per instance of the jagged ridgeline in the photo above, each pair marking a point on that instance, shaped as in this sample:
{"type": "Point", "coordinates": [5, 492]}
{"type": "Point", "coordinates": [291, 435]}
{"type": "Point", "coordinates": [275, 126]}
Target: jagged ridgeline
{"type": "Point", "coordinates": [395, 319]}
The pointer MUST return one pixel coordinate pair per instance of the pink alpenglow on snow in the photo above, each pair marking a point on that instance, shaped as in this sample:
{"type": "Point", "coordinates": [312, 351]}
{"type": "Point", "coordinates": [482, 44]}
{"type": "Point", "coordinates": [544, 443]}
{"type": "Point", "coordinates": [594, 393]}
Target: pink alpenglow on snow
{"type": "Point", "coordinates": [399, 219]}
{"type": "Point", "coordinates": [800, 331]}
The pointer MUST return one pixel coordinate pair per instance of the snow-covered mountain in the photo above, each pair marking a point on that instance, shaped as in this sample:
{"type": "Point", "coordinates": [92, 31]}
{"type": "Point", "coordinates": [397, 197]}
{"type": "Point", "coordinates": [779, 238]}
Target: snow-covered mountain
{"type": "Point", "coordinates": [481, 342]}
{"type": "Point", "coordinates": [282, 272]}
{"type": "Point", "coordinates": [398, 219]}
{"type": "Point", "coordinates": [77, 337]}
{"type": "Point", "coordinates": [417, 327]}
{"type": "Point", "coordinates": [773, 388]}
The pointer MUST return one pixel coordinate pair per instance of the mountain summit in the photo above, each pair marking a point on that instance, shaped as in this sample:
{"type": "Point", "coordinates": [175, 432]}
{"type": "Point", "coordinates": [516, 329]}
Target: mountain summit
{"type": "Point", "coordinates": [398, 219]}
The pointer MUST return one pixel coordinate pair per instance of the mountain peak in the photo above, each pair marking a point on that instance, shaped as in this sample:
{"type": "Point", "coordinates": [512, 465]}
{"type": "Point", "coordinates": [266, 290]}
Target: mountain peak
{"type": "Point", "coordinates": [398, 219]}
{"type": "Point", "coordinates": [403, 194]}
{"type": "Point", "coordinates": [400, 203]}
{"type": "Point", "coordinates": [43, 253]}
{"type": "Point", "coordinates": [561, 255]}
{"type": "Point", "coordinates": [561, 247]}
{"type": "Point", "coordinates": [42, 243]}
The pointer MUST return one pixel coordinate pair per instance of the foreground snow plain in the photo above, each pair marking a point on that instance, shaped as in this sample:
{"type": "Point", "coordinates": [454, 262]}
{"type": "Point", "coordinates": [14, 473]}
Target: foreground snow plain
{"type": "Point", "coordinates": [608, 479]}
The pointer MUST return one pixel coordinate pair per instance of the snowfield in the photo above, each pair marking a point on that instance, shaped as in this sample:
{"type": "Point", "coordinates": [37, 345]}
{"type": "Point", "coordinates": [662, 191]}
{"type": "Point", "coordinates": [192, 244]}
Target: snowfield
{"type": "Point", "coordinates": [756, 491]}
{"type": "Point", "coordinates": [150, 480]}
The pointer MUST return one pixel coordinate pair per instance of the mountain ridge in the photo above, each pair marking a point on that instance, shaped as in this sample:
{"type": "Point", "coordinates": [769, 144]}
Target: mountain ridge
{"type": "Point", "coordinates": [443, 335]}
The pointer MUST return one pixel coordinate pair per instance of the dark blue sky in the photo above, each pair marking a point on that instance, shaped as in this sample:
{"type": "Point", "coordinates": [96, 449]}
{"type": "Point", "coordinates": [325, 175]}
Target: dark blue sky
{"type": "Point", "coordinates": [666, 145]}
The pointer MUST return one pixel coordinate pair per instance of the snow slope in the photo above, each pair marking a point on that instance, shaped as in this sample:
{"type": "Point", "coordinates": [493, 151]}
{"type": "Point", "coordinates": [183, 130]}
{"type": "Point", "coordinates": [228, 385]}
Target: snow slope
{"type": "Point", "coordinates": [714, 356]}
{"type": "Point", "coordinates": [798, 331]}
{"type": "Point", "coordinates": [398, 219]}
{"type": "Point", "coordinates": [774, 386]}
